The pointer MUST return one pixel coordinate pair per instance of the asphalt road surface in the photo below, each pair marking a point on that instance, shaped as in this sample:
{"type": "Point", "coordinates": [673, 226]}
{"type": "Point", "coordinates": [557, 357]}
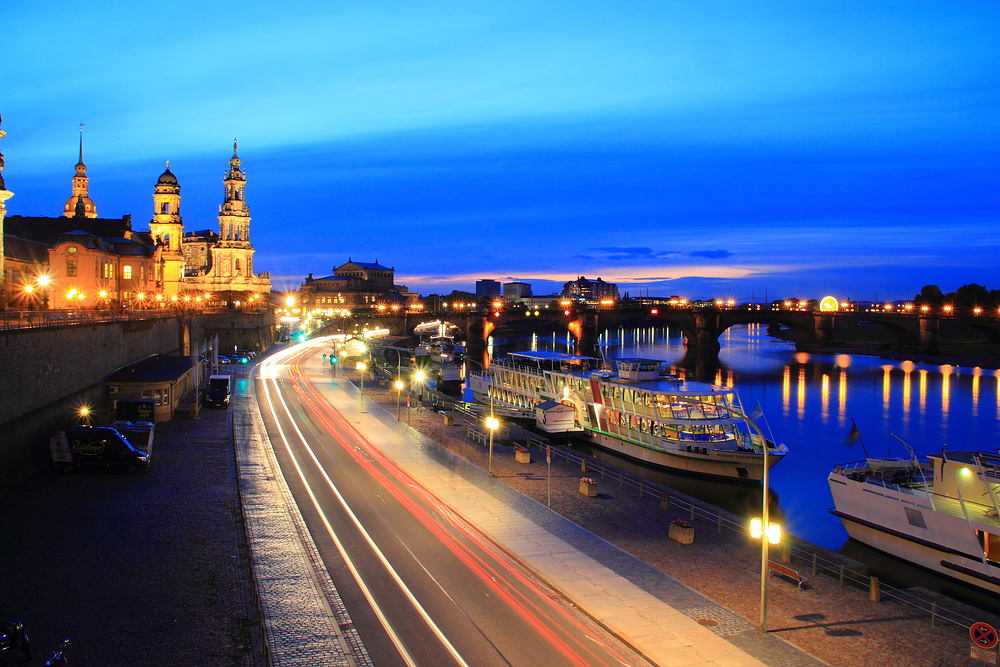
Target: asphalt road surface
{"type": "Point", "coordinates": [423, 586]}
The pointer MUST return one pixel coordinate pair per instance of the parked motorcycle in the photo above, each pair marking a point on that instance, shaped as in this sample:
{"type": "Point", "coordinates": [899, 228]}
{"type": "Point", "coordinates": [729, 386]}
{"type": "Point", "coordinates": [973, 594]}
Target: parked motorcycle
{"type": "Point", "coordinates": [13, 636]}
{"type": "Point", "coordinates": [58, 659]}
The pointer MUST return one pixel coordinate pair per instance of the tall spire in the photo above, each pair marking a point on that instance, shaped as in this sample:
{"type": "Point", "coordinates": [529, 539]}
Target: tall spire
{"type": "Point", "coordinates": [80, 199]}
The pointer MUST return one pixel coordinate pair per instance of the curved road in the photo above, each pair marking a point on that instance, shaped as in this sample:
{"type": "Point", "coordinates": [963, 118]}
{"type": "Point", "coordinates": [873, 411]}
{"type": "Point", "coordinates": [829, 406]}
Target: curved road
{"type": "Point", "coordinates": [422, 584]}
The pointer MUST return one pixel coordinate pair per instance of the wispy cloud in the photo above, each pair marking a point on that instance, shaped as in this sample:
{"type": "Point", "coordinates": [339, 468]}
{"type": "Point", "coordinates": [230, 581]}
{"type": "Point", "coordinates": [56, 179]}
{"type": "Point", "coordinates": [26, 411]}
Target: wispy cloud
{"type": "Point", "coordinates": [711, 254]}
{"type": "Point", "coordinates": [632, 253]}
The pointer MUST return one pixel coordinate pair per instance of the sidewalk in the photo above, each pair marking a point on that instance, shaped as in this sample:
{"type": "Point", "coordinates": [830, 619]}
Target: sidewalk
{"type": "Point", "coordinates": [839, 625]}
{"type": "Point", "coordinates": [658, 616]}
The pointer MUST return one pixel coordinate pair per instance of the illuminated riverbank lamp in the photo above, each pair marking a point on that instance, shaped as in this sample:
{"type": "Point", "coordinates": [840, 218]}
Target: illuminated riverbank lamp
{"type": "Point", "coordinates": [773, 531]}
{"type": "Point", "coordinates": [492, 423]}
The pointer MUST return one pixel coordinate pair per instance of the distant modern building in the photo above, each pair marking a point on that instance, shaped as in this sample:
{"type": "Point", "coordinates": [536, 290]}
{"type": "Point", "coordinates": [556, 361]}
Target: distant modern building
{"type": "Point", "coordinates": [355, 285]}
{"type": "Point", "coordinates": [489, 289]}
{"type": "Point", "coordinates": [516, 291]}
{"type": "Point", "coordinates": [593, 291]}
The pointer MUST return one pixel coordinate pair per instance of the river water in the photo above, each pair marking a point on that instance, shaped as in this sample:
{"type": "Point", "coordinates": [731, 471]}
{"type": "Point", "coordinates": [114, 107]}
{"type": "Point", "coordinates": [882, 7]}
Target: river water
{"type": "Point", "coordinates": [809, 401]}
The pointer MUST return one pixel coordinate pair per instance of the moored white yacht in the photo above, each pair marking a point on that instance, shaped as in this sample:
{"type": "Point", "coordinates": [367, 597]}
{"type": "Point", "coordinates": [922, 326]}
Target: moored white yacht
{"type": "Point", "coordinates": [939, 513]}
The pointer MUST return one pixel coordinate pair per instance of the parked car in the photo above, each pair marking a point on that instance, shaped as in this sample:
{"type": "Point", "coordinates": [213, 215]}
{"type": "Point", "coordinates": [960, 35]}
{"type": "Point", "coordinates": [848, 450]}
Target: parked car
{"type": "Point", "coordinates": [247, 353]}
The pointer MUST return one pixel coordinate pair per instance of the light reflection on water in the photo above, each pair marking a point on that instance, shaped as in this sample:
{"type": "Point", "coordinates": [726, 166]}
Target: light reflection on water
{"type": "Point", "coordinates": [809, 401]}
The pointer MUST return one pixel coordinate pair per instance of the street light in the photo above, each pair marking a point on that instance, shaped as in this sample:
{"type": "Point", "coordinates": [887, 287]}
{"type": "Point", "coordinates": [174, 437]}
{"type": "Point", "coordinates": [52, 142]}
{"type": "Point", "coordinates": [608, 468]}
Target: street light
{"type": "Point", "coordinates": [399, 390]}
{"type": "Point", "coordinates": [492, 424]}
{"type": "Point", "coordinates": [419, 377]}
{"type": "Point", "coordinates": [363, 367]}
{"type": "Point", "coordinates": [757, 529]}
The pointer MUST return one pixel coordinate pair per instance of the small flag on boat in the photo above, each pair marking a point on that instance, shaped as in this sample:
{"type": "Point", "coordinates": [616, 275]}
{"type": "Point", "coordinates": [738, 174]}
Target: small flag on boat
{"type": "Point", "coordinates": [756, 413]}
{"type": "Point", "coordinates": [854, 435]}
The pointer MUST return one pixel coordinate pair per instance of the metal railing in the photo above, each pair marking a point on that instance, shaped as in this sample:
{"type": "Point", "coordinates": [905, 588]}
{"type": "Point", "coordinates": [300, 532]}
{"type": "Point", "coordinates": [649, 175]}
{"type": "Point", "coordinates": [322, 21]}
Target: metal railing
{"type": "Point", "coordinates": [803, 557]}
{"type": "Point", "coordinates": [11, 320]}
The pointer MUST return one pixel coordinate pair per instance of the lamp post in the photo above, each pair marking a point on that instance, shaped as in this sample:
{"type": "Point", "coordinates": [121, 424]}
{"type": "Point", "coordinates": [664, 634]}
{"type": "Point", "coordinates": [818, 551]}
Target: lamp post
{"type": "Point", "coordinates": [399, 390]}
{"type": "Point", "coordinates": [492, 424]}
{"type": "Point", "coordinates": [363, 367]}
{"type": "Point", "coordinates": [767, 532]}
{"type": "Point", "coordinates": [419, 377]}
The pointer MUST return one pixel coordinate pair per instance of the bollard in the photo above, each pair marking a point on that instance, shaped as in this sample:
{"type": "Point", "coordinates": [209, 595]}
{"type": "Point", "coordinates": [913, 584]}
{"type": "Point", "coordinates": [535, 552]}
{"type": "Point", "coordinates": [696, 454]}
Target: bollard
{"type": "Point", "coordinates": [641, 488]}
{"type": "Point", "coordinates": [841, 576]}
{"type": "Point", "coordinates": [875, 594]}
{"type": "Point", "coordinates": [933, 613]}
{"type": "Point", "coordinates": [583, 465]}
{"type": "Point", "coordinates": [719, 524]}
{"type": "Point", "coordinates": [665, 501]}
{"type": "Point", "coordinates": [814, 564]}
{"type": "Point", "coordinates": [692, 512]}
{"type": "Point", "coordinates": [786, 553]}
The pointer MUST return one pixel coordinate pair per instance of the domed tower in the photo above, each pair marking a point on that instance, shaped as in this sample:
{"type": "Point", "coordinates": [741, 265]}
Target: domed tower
{"type": "Point", "coordinates": [167, 229]}
{"type": "Point", "coordinates": [80, 203]}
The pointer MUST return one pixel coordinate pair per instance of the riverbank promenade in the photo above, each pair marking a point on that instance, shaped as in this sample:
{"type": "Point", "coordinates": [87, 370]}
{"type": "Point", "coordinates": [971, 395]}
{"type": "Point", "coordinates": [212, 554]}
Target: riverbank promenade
{"type": "Point", "coordinates": [201, 558]}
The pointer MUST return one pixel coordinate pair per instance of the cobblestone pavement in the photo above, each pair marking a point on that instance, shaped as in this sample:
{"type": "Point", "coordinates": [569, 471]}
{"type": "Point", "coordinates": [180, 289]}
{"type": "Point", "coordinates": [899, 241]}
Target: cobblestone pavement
{"type": "Point", "coordinates": [149, 569]}
{"type": "Point", "coordinates": [840, 626]}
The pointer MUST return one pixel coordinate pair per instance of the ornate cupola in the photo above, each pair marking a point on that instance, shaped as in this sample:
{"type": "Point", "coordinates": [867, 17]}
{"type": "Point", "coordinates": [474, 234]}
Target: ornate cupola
{"type": "Point", "coordinates": [167, 229]}
{"type": "Point", "coordinates": [234, 214]}
{"type": "Point", "coordinates": [80, 202]}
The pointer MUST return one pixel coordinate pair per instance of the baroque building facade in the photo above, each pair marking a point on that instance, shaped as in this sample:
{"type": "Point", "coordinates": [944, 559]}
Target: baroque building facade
{"type": "Point", "coordinates": [355, 285]}
{"type": "Point", "coordinates": [81, 261]}
{"type": "Point", "coordinates": [222, 262]}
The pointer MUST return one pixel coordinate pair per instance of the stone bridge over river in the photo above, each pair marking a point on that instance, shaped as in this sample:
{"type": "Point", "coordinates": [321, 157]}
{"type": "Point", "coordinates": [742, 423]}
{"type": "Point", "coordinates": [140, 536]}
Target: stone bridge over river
{"type": "Point", "coordinates": [701, 327]}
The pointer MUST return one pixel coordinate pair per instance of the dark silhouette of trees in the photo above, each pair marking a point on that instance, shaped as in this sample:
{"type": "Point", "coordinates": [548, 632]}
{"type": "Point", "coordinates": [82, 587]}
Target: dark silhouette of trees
{"type": "Point", "coordinates": [964, 299]}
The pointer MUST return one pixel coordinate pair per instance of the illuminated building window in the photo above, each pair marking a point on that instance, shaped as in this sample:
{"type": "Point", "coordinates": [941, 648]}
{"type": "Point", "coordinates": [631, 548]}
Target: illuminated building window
{"type": "Point", "coordinates": [70, 267]}
{"type": "Point", "coordinates": [127, 272]}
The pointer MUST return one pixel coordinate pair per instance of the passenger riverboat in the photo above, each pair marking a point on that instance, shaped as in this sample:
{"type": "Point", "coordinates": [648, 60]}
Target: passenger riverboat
{"type": "Point", "coordinates": [939, 512]}
{"type": "Point", "coordinates": [631, 407]}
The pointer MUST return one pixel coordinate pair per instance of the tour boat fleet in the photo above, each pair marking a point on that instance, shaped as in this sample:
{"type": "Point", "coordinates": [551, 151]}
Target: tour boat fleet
{"type": "Point", "coordinates": [632, 407]}
{"type": "Point", "coordinates": [939, 512]}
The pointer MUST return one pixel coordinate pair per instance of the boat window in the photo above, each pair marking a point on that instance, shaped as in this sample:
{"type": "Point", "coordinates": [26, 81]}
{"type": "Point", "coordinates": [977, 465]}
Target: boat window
{"type": "Point", "coordinates": [915, 518]}
{"type": "Point", "coordinates": [656, 428]}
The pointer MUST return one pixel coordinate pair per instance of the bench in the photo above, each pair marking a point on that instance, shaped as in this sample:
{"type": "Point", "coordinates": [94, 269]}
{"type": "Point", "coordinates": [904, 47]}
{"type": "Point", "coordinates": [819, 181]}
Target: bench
{"type": "Point", "coordinates": [775, 567]}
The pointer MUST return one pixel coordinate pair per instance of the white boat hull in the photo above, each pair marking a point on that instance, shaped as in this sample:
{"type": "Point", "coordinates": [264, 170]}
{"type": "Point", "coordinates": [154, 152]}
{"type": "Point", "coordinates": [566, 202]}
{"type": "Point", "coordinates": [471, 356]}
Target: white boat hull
{"type": "Point", "coordinates": [904, 525]}
{"type": "Point", "coordinates": [727, 464]}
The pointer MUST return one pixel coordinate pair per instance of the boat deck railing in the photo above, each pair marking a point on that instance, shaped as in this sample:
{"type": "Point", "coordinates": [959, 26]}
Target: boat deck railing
{"type": "Point", "coordinates": [519, 368]}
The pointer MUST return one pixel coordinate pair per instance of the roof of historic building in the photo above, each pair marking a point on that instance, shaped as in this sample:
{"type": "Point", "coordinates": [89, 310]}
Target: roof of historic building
{"type": "Point", "coordinates": [47, 230]}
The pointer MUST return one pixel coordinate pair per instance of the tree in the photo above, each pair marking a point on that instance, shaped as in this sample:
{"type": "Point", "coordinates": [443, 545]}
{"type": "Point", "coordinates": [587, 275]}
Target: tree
{"type": "Point", "coordinates": [930, 295]}
{"type": "Point", "coordinates": [969, 296]}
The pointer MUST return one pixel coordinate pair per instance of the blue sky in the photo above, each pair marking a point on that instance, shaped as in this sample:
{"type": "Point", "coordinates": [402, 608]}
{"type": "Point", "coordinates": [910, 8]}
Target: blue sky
{"type": "Point", "coordinates": [702, 149]}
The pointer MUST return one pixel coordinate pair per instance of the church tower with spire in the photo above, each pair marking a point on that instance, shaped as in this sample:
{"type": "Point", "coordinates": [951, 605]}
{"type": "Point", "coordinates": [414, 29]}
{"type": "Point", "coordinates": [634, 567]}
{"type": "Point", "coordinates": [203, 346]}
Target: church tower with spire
{"type": "Point", "coordinates": [222, 263]}
{"type": "Point", "coordinates": [167, 230]}
{"type": "Point", "coordinates": [80, 204]}
{"type": "Point", "coordinates": [234, 214]}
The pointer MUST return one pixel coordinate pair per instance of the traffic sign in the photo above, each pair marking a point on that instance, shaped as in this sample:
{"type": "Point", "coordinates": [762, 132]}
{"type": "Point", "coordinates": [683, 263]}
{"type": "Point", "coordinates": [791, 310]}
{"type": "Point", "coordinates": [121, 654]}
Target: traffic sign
{"type": "Point", "coordinates": [984, 635]}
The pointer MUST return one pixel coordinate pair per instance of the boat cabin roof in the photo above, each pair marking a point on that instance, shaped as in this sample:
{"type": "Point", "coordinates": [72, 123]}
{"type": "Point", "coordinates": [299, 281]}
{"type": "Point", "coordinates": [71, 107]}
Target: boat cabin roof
{"type": "Point", "coordinates": [650, 381]}
{"type": "Point", "coordinates": [542, 355]}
